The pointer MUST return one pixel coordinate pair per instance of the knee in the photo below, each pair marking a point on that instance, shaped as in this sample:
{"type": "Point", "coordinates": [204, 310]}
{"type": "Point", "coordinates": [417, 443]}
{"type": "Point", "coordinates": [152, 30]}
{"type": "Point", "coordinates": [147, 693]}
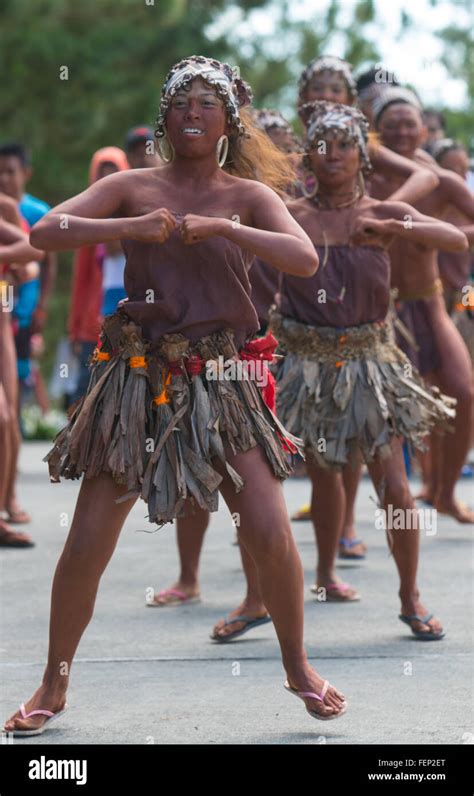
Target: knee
{"type": "Point", "coordinates": [398, 492]}
{"type": "Point", "coordinates": [8, 424]}
{"type": "Point", "coordinates": [269, 540]}
{"type": "Point", "coordinates": [82, 557]}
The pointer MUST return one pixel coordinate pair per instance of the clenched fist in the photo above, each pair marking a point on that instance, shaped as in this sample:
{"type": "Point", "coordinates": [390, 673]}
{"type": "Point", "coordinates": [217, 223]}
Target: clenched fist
{"type": "Point", "coordinates": [154, 227]}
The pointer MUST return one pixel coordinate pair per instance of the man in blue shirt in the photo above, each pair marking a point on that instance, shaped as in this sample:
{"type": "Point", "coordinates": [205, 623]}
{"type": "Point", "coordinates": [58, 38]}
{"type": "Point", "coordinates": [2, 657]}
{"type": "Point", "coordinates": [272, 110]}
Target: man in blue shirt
{"type": "Point", "coordinates": [30, 309]}
{"type": "Point", "coordinates": [32, 298]}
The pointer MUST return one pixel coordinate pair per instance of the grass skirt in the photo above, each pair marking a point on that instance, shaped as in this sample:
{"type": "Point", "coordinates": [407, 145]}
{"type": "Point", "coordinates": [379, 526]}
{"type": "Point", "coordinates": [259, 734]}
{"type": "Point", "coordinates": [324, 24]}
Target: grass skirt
{"type": "Point", "coordinates": [155, 420]}
{"type": "Point", "coordinates": [348, 390]}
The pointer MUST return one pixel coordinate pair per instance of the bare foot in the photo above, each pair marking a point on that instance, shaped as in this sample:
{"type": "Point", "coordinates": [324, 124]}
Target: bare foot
{"type": "Point", "coordinates": [253, 611]}
{"type": "Point", "coordinates": [178, 594]}
{"type": "Point", "coordinates": [411, 607]}
{"type": "Point", "coordinates": [42, 699]}
{"type": "Point", "coordinates": [309, 680]}
{"type": "Point", "coordinates": [10, 538]}
{"type": "Point", "coordinates": [453, 508]}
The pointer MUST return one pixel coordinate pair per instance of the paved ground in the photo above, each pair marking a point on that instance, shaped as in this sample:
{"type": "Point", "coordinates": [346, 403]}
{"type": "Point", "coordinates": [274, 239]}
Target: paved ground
{"type": "Point", "coordinates": [150, 675]}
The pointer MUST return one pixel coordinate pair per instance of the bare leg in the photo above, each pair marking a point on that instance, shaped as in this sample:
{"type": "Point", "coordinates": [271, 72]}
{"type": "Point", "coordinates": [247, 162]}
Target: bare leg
{"type": "Point", "coordinates": [190, 532]}
{"type": "Point", "coordinates": [252, 605]}
{"type": "Point", "coordinates": [9, 428]}
{"type": "Point", "coordinates": [351, 478]}
{"type": "Point", "coordinates": [266, 534]}
{"type": "Point", "coordinates": [390, 481]}
{"type": "Point", "coordinates": [94, 532]}
{"type": "Point", "coordinates": [454, 378]}
{"type": "Point", "coordinates": [328, 509]}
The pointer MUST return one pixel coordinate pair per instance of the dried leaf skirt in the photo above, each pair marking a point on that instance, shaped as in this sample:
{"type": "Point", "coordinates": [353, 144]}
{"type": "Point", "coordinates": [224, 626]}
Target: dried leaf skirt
{"type": "Point", "coordinates": [351, 390]}
{"type": "Point", "coordinates": [156, 420]}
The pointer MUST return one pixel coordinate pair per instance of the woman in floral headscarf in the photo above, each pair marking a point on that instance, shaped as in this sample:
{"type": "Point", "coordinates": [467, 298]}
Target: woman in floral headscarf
{"type": "Point", "coordinates": [160, 419]}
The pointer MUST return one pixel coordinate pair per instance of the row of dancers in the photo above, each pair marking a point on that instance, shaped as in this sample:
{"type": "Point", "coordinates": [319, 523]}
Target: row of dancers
{"type": "Point", "coordinates": [327, 228]}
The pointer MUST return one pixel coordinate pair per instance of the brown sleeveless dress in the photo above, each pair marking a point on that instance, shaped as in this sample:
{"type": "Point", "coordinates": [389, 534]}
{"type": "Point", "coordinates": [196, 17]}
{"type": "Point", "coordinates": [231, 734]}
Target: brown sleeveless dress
{"type": "Point", "coordinates": [168, 393]}
{"type": "Point", "coordinates": [344, 386]}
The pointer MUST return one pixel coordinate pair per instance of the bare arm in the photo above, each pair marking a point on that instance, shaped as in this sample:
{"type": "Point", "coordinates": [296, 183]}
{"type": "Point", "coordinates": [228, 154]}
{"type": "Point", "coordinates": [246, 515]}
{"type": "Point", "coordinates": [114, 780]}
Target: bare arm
{"type": "Point", "coordinates": [9, 210]}
{"type": "Point", "coordinates": [419, 180]}
{"type": "Point", "coordinates": [273, 235]}
{"type": "Point", "coordinates": [406, 222]}
{"type": "Point", "coordinates": [457, 193]}
{"type": "Point", "coordinates": [86, 219]}
{"type": "Point", "coordinates": [14, 245]}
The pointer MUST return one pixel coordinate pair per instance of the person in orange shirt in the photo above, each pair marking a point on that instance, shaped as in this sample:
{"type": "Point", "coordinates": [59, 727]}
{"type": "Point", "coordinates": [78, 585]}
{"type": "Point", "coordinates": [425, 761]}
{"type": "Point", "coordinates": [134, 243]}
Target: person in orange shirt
{"type": "Point", "coordinates": [85, 308]}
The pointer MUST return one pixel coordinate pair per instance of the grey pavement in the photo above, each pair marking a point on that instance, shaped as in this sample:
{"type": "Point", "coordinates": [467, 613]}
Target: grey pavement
{"type": "Point", "coordinates": [147, 675]}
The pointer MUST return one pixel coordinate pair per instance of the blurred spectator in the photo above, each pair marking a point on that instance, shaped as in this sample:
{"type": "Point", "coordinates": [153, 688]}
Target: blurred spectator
{"type": "Point", "coordinates": [140, 147]}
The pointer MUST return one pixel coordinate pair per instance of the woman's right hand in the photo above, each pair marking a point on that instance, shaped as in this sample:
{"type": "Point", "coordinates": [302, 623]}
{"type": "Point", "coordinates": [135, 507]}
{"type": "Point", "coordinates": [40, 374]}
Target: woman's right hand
{"type": "Point", "coordinates": [154, 227]}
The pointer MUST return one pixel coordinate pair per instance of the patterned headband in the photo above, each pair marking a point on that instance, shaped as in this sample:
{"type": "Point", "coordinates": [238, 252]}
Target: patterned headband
{"type": "Point", "coordinates": [234, 92]}
{"type": "Point", "coordinates": [392, 95]}
{"type": "Point", "coordinates": [329, 63]}
{"type": "Point", "coordinates": [321, 117]}
{"type": "Point", "coordinates": [266, 120]}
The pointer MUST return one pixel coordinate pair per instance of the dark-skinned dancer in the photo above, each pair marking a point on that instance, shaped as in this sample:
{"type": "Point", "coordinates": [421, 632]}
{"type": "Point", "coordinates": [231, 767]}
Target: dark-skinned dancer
{"type": "Point", "coordinates": [190, 532]}
{"type": "Point", "coordinates": [331, 79]}
{"type": "Point", "coordinates": [440, 355]}
{"type": "Point", "coordinates": [150, 374]}
{"type": "Point", "coordinates": [343, 386]}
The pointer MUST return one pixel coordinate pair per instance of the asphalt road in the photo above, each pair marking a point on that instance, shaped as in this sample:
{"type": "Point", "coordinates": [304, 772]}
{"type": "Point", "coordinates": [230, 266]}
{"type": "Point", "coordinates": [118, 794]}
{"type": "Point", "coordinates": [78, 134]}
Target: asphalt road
{"type": "Point", "coordinates": [153, 676]}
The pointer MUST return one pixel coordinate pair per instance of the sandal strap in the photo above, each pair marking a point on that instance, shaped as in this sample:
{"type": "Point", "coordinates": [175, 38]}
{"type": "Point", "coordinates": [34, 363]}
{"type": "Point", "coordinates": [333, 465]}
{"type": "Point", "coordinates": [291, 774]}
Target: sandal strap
{"type": "Point", "coordinates": [244, 618]}
{"type": "Point", "coordinates": [418, 618]}
{"type": "Point", "coordinates": [313, 695]}
{"type": "Point", "coordinates": [174, 592]}
{"type": "Point", "coordinates": [350, 542]}
{"type": "Point", "coordinates": [338, 587]}
{"type": "Point", "coordinates": [39, 712]}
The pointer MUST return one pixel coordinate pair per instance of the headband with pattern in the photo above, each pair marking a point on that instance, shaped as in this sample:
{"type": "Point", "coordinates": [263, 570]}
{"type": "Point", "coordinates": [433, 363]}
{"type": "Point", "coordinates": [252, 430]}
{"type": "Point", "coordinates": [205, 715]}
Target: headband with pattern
{"type": "Point", "coordinates": [234, 92]}
{"type": "Point", "coordinates": [321, 117]}
{"type": "Point", "coordinates": [266, 119]}
{"type": "Point", "coordinates": [329, 63]}
{"type": "Point", "coordinates": [392, 95]}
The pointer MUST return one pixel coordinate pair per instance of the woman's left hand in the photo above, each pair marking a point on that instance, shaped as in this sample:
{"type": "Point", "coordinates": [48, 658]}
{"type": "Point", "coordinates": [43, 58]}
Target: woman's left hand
{"type": "Point", "coordinates": [196, 228]}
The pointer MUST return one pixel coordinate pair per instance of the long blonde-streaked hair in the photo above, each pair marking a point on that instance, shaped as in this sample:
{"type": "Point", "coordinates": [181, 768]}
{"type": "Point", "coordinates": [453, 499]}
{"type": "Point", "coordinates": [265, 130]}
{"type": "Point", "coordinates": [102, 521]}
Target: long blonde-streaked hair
{"type": "Point", "coordinates": [254, 156]}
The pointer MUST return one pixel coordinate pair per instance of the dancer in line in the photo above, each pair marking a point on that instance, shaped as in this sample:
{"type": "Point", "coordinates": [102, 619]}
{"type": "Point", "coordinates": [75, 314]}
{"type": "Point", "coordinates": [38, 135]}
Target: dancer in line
{"type": "Point", "coordinates": [344, 386]}
{"type": "Point", "coordinates": [188, 304]}
{"type": "Point", "coordinates": [331, 79]}
{"type": "Point", "coordinates": [439, 353]}
{"type": "Point", "coordinates": [190, 532]}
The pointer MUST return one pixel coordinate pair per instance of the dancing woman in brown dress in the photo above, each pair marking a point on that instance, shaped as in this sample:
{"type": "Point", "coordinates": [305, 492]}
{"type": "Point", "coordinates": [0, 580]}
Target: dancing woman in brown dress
{"type": "Point", "coordinates": [156, 420]}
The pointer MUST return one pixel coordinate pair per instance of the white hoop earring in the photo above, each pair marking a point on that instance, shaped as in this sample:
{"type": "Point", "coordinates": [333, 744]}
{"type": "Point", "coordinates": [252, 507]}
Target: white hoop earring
{"type": "Point", "coordinates": [222, 148]}
{"type": "Point", "coordinates": [166, 149]}
{"type": "Point", "coordinates": [313, 191]}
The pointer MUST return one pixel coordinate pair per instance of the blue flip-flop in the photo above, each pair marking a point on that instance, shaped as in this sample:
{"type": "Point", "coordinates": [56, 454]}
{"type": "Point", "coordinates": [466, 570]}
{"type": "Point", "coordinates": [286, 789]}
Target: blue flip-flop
{"type": "Point", "coordinates": [422, 635]}
{"type": "Point", "coordinates": [251, 623]}
{"type": "Point", "coordinates": [348, 544]}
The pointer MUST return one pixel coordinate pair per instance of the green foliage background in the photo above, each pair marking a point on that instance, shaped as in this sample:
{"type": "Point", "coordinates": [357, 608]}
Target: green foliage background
{"type": "Point", "coordinates": [117, 53]}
